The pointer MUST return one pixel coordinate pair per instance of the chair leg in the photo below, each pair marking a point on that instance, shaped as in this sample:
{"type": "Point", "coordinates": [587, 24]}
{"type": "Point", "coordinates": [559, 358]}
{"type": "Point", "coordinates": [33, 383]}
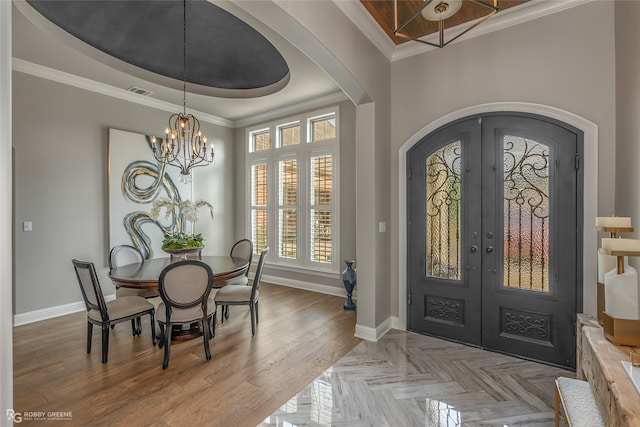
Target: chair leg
{"type": "Point", "coordinates": [89, 336]}
{"type": "Point", "coordinates": [161, 338]}
{"type": "Point", "coordinates": [205, 338]}
{"type": "Point", "coordinates": [212, 325]}
{"type": "Point", "coordinates": [226, 311]}
{"type": "Point", "coordinates": [253, 319]}
{"type": "Point", "coordinates": [153, 328]}
{"type": "Point", "coordinates": [105, 342]}
{"type": "Point", "coordinates": [167, 345]}
{"type": "Point", "coordinates": [256, 305]}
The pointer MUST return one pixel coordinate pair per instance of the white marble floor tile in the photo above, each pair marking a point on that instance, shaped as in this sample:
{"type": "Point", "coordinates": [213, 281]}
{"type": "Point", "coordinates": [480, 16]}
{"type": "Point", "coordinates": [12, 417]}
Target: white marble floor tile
{"type": "Point", "coordinates": [408, 379]}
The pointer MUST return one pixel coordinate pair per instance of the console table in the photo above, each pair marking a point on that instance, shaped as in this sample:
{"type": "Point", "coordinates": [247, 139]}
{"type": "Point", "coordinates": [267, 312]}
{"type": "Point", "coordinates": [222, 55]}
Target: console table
{"type": "Point", "coordinates": [599, 363]}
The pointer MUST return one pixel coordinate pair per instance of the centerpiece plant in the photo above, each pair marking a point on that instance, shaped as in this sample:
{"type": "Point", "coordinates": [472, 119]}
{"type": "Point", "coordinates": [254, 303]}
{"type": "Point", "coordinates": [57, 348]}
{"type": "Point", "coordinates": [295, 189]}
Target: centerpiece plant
{"type": "Point", "coordinates": [182, 211]}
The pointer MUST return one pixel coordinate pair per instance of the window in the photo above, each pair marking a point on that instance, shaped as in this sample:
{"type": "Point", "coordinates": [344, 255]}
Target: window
{"type": "Point", "coordinates": [293, 190]}
{"type": "Point", "coordinates": [259, 213]}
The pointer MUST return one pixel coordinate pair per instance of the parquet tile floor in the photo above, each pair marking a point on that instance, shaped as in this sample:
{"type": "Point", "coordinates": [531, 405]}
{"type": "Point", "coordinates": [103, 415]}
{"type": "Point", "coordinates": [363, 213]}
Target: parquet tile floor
{"type": "Point", "coordinates": [406, 379]}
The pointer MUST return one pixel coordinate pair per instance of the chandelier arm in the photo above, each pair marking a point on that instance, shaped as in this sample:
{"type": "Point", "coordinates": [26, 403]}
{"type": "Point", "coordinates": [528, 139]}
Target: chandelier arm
{"type": "Point", "coordinates": [484, 18]}
{"type": "Point", "coordinates": [184, 146]}
{"type": "Point", "coordinates": [408, 20]}
{"type": "Point", "coordinates": [493, 6]}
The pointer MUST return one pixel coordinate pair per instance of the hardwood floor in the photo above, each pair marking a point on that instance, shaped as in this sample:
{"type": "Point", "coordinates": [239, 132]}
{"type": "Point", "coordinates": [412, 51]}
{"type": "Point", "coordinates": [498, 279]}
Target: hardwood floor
{"type": "Point", "coordinates": [299, 336]}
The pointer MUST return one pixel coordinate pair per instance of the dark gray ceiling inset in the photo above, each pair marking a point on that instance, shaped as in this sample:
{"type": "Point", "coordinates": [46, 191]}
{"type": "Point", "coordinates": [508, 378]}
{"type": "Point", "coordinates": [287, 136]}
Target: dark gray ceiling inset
{"type": "Point", "coordinates": [222, 50]}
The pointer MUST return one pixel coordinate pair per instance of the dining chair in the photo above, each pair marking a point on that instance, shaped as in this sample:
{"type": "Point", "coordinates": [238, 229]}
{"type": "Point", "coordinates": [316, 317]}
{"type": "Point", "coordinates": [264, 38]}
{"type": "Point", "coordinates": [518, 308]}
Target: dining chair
{"type": "Point", "coordinates": [243, 294]}
{"type": "Point", "coordinates": [185, 289]}
{"type": "Point", "coordinates": [105, 314]}
{"type": "Point", "coordinates": [242, 249]}
{"type": "Point", "coordinates": [123, 255]}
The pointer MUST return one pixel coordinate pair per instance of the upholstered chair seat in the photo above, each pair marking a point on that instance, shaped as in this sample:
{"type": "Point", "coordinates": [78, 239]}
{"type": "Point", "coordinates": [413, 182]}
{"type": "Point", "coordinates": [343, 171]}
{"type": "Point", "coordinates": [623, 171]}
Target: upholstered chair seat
{"type": "Point", "coordinates": [121, 307]}
{"type": "Point", "coordinates": [185, 315]}
{"type": "Point", "coordinates": [237, 281]}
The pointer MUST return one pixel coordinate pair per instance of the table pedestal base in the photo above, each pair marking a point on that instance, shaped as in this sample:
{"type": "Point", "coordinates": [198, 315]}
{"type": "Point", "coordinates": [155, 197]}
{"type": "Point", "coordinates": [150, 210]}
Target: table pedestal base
{"type": "Point", "coordinates": [186, 332]}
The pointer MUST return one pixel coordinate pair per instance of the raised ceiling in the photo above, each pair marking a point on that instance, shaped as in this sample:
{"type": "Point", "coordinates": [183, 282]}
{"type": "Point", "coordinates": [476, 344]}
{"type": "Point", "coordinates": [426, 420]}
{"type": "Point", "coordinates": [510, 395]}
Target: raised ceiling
{"type": "Point", "coordinates": [41, 48]}
{"type": "Point", "coordinates": [383, 13]}
{"type": "Point", "coordinates": [222, 51]}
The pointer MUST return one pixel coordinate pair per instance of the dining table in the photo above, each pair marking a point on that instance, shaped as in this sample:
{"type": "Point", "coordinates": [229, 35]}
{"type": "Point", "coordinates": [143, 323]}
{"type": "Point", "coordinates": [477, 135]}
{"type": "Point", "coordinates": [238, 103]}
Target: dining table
{"type": "Point", "coordinates": [145, 275]}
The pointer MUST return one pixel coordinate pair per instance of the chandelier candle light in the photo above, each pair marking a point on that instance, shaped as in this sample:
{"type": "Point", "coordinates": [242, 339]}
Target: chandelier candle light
{"type": "Point", "coordinates": [184, 146]}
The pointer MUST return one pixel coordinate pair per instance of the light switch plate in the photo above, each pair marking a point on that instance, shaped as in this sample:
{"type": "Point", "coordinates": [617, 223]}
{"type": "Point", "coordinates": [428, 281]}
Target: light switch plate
{"type": "Point", "coordinates": [27, 226]}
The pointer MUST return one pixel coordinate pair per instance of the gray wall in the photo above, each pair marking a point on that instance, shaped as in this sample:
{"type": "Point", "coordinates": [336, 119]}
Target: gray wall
{"type": "Point", "coordinates": [363, 73]}
{"type": "Point", "coordinates": [60, 138]}
{"type": "Point", "coordinates": [627, 173]}
{"type": "Point", "coordinates": [347, 230]}
{"type": "Point", "coordinates": [565, 60]}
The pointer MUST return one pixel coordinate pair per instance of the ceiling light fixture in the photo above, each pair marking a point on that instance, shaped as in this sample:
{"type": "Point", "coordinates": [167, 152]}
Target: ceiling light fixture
{"type": "Point", "coordinates": [184, 146]}
{"type": "Point", "coordinates": [440, 11]}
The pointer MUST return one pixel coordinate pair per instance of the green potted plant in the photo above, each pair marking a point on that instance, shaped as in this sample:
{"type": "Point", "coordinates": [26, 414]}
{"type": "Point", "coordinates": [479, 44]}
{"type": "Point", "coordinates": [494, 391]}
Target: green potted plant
{"type": "Point", "coordinates": [179, 240]}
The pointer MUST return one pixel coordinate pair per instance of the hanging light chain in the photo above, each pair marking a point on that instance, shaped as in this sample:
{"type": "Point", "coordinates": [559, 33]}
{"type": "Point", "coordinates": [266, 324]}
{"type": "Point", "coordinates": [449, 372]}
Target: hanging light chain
{"type": "Point", "coordinates": [183, 146]}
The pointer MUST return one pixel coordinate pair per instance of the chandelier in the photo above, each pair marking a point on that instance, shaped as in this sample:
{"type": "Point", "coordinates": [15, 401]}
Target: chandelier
{"type": "Point", "coordinates": [440, 11]}
{"type": "Point", "coordinates": [183, 146]}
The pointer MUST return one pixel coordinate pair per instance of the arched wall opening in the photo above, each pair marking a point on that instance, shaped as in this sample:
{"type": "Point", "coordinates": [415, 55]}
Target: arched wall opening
{"type": "Point", "coordinates": [590, 198]}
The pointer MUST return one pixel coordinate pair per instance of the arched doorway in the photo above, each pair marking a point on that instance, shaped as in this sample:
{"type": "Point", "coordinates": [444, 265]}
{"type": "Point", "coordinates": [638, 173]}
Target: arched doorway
{"type": "Point", "coordinates": [493, 206]}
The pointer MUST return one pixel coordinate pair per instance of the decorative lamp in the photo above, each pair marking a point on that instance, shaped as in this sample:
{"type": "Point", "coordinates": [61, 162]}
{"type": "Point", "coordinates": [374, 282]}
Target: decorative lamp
{"type": "Point", "coordinates": [441, 11]}
{"type": "Point", "coordinates": [184, 145]}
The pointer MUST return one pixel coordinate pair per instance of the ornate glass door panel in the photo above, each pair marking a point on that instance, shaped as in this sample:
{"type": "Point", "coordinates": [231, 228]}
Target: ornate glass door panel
{"type": "Point", "coordinates": [443, 185]}
{"type": "Point", "coordinates": [493, 236]}
{"type": "Point", "coordinates": [530, 283]}
{"type": "Point", "coordinates": [444, 210]}
{"type": "Point", "coordinates": [526, 213]}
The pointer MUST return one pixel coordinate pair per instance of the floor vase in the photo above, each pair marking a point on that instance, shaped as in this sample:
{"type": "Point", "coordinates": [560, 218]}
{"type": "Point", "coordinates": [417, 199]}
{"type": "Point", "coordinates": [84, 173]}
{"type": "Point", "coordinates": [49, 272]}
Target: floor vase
{"type": "Point", "coordinates": [349, 278]}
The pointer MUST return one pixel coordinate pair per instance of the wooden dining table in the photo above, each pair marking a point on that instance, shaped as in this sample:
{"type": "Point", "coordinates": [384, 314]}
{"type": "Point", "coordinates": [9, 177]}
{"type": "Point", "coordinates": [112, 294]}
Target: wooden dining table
{"type": "Point", "coordinates": [145, 275]}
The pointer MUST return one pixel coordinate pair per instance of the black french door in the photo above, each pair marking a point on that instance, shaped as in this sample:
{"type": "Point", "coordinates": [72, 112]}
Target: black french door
{"type": "Point", "coordinates": [494, 235]}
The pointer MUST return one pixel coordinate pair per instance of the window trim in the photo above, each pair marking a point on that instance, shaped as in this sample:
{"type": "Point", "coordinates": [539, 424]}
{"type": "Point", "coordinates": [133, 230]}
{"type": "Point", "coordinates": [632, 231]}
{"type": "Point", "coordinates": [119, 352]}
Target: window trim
{"type": "Point", "coordinates": [303, 152]}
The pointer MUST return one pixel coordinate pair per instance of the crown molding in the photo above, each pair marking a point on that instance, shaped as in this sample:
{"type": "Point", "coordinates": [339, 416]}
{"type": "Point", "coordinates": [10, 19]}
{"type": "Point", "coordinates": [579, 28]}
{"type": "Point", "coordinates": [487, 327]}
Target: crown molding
{"type": "Point", "coordinates": [358, 14]}
{"type": "Point", "coordinates": [312, 104]}
{"type": "Point", "coordinates": [516, 15]}
{"type": "Point", "coordinates": [58, 76]}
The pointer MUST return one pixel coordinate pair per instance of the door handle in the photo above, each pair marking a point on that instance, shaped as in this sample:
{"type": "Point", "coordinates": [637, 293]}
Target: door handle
{"type": "Point", "coordinates": [473, 248]}
{"type": "Point", "coordinates": [489, 249]}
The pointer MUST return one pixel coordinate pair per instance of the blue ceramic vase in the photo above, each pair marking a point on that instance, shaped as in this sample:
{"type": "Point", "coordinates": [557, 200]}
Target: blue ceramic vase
{"type": "Point", "coordinates": [349, 278]}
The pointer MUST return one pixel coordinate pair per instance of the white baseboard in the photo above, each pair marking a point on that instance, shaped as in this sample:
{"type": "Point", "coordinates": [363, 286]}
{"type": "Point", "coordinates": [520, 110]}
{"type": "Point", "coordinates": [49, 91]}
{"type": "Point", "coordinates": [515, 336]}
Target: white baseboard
{"type": "Point", "coordinates": [308, 286]}
{"type": "Point", "coordinates": [51, 312]}
{"type": "Point", "coordinates": [374, 334]}
{"type": "Point", "coordinates": [396, 323]}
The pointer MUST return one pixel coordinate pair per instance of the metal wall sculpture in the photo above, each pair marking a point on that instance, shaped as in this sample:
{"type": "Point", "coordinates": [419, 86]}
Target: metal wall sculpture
{"type": "Point", "coordinates": [135, 181]}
